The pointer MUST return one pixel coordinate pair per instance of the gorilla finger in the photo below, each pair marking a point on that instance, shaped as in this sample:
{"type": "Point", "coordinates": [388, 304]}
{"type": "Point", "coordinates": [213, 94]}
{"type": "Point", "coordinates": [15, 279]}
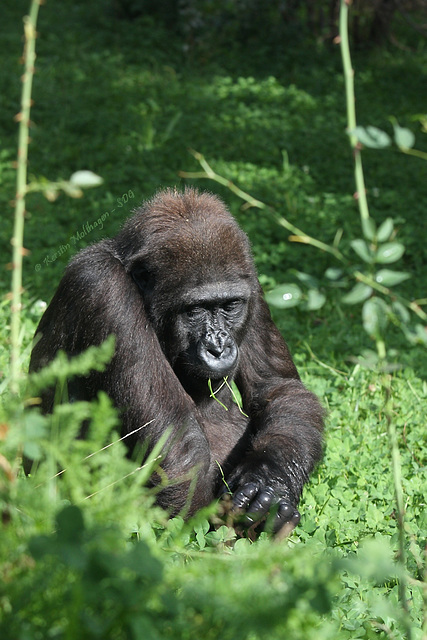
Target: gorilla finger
{"type": "Point", "coordinates": [285, 511]}
{"type": "Point", "coordinates": [260, 506]}
{"type": "Point", "coordinates": [286, 515]}
{"type": "Point", "coordinates": [243, 497]}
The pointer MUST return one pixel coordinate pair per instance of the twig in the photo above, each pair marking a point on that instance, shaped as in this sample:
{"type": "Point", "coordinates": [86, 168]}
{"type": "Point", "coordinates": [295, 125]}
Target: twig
{"type": "Point", "coordinates": [299, 236]}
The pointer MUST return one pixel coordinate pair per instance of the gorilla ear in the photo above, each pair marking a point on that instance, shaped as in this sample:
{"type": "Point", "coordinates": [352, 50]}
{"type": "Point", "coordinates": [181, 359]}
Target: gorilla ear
{"type": "Point", "coordinates": [143, 278]}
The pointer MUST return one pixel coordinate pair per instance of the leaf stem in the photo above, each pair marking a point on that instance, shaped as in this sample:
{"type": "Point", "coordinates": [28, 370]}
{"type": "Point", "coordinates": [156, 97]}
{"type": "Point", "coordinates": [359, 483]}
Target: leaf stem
{"type": "Point", "coordinates": [411, 304]}
{"type": "Point", "coordinates": [414, 152]}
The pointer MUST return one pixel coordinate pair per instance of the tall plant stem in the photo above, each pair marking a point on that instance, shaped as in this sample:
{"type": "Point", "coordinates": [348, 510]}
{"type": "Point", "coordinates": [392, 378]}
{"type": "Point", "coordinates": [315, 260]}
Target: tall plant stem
{"type": "Point", "coordinates": [400, 511]}
{"type": "Point", "coordinates": [351, 113]}
{"type": "Point", "coordinates": [381, 347]}
{"type": "Point", "coordinates": [23, 117]}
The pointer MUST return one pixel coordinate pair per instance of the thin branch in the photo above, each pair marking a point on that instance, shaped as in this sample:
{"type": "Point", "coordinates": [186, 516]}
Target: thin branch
{"type": "Point", "coordinates": [299, 236]}
{"type": "Point", "coordinates": [210, 173]}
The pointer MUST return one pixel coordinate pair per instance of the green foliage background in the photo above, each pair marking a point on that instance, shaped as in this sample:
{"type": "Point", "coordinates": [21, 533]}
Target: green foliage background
{"type": "Point", "coordinates": [126, 99]}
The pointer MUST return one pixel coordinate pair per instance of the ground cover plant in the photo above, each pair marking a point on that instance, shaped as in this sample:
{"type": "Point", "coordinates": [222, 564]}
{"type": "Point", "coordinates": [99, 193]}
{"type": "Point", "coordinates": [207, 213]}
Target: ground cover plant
{"type": "Point", "coordinates": [86, 554]}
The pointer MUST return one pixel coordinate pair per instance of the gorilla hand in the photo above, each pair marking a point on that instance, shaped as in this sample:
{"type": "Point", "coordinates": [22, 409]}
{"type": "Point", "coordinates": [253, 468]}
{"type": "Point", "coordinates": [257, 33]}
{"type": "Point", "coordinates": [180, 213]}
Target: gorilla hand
{"type": "Point", "coordinates": [253, 503]}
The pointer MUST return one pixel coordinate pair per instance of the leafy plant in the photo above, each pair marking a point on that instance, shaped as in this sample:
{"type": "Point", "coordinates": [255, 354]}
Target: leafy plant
{"type": "Point", "coordinates": [280, 138]}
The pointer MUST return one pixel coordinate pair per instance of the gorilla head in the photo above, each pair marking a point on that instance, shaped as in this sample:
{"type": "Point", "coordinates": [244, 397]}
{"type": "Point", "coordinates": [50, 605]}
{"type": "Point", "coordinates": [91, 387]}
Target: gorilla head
{"type": "Point", "coordinates": [198, 302]}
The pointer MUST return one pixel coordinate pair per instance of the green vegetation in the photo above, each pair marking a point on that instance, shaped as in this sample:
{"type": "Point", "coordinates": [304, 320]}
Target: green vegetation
{"type": "Point", "coordinates": [85, 553]}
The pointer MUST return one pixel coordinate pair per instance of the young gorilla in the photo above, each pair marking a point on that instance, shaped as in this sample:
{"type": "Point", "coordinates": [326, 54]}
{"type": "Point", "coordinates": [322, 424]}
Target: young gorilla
{"type": "Point", "coordinates": [178, 289]}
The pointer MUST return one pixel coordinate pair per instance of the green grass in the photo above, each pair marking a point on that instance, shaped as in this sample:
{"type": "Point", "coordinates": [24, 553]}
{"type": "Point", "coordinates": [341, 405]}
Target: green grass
{"type": "Point", "coordinates": [125, 100]}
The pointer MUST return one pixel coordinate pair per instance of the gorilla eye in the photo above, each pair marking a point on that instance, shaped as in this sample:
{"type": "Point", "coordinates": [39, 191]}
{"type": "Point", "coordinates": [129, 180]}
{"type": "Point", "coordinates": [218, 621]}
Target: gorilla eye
{"type": "Point", "coordinates": [234, 306]}
{"type": "Point", "coordinates": [194, 313]}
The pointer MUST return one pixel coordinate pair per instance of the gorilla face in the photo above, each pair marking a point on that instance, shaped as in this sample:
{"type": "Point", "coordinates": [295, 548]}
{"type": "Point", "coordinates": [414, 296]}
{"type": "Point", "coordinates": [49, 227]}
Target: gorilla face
{"type": "Point", "coordinates": [209, 327]}
{"type": "Point", "coordinates": [199, 327]}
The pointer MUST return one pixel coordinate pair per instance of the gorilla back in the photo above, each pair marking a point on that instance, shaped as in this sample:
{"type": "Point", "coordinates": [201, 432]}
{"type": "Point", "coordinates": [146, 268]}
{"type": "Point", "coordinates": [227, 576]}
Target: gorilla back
{"type": "Point", "coordinates": [178, 289]}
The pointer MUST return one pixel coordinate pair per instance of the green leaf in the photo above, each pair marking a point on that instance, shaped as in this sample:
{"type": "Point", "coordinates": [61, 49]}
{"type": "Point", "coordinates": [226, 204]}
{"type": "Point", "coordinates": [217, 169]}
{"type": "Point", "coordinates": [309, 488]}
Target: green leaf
{"type": "Point", "coordinates": [404, 138]}
{"type": "Point", "coordinates": [390, 278]}
{"type": "Point", "coordinates": [359, 293]}
{"type": "Point", "coordinates": [401, 311]}
{"type": "Point", "coordinates": [305, 278]}
{"type": "Point", "coordinates": [369, 228]}
{"type": "Point", "coordinates": [31, 450]}
{"type": "Point", "coordinates": [374, 316]}
{"type": "Point", "coordinates": [284, 296]}
{"type": "Point", "coordinates": [315, 300]}
{"type": "Point", "coordinates": [385, 230]}
{"type": "Point", "coordinates": [389, 252]}
{"type": "Point", "coordinates": [420, 334]}
{"type": "Point", "coordinates": [140, 560]}
{"type": "Point", "coordinates": [371, 137]}
{"type": "Point", "coordinates": [34, 430]}
{"type": "Point", "coordinates": [72, 190]}
{"type": "Point", "coordinates": [85, 179]}
{"type": "Point", "coordinates": [375, 560]}
{"type": "Point", "coordinates": [237, 396]}
{"type": "Point", "coordinates": [416, 335]}
{"type": "Point", "coordinates": [333, 273]}
{"type": "Point", "coordinates": [70, 525]}
{"type": "Point", "coordinates": [200, 537]}
{"type": "Point", "coordinates": [362, 250]}
{"type": "Point", "coordinates": [40, 546]}
{"type": "Point", "coordinates": [368, 359]}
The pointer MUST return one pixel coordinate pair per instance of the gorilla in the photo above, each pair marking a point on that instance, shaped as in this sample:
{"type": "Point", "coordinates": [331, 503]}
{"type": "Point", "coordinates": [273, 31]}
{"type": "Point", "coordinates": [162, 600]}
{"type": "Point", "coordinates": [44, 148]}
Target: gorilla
{"type": "Point", "coordinates": [178, 289]}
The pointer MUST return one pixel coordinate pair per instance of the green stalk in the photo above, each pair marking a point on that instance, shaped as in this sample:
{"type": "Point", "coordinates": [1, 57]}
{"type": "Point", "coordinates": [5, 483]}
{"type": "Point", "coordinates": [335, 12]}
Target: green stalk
{"type": "Point", "coordinates": [414, 152]}
{"type": "Point", "coordinates": [400, 512]}
{"type": "Point", "coordinates": [380, 344]}
{"type": "Point", "coordinates": [414, 305]}
{"type": "Point", "coordinates": [351, 113]}
{"type": "Point", "coordinates": [30, 22]}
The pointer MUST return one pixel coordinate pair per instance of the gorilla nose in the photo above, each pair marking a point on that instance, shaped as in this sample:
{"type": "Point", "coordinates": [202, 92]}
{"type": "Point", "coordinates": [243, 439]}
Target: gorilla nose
{"type": "Point", "coordinates": [216, 343]}
{"type": "Point", "coordinates": [218, 352]}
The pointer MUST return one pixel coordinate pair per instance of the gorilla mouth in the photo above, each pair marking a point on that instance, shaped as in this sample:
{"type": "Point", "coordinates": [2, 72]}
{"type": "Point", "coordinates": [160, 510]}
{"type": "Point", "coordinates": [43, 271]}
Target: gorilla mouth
{"type": "Point", "coordinates": [217, 363]}
{"type": "Point", "coordinates": [203, 364]}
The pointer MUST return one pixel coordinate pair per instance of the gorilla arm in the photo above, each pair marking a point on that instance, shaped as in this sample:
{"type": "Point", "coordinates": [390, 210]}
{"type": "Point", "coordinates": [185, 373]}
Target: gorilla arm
{"type": "Point", "coordinates": [285, 430]}
{"type": "Point", "coordinates": [96, 298]}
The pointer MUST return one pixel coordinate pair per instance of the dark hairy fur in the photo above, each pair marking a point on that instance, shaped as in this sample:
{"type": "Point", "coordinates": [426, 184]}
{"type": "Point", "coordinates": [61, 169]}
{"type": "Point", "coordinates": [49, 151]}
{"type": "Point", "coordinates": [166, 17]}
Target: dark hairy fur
{"type": "Point", "coordinates": [179, 249]}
